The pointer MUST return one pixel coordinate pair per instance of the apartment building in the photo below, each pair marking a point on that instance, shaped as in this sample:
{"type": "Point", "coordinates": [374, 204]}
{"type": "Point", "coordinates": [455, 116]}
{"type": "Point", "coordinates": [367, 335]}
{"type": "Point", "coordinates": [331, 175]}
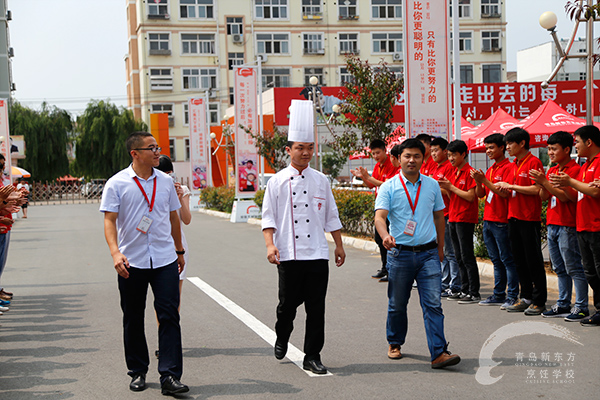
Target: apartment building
{"type": "Point", "coordinates": [184, 48]}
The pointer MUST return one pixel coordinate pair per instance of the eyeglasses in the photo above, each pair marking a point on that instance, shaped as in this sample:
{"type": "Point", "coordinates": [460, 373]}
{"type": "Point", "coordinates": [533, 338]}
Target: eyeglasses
{"type": "Point", "coordinates": [152, 149]}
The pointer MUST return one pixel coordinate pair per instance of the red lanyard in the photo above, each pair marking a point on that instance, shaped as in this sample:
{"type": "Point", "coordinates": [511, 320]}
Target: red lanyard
{"type": "Point", "coordinates": [151, 205]}
{"type": "Point", "coordinates": [412, 207]}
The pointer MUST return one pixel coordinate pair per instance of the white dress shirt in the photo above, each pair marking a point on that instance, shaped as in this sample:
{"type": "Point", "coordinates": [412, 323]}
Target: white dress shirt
{"type": "Point", "coordinates": [123, 196]}
{"type": "Point", "coordinates": [301, 208]}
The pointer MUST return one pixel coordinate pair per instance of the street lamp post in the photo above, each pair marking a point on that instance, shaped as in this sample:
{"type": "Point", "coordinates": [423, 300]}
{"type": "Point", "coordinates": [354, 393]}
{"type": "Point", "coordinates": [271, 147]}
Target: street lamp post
{"type": "Point", "coordinates": [314, 81]}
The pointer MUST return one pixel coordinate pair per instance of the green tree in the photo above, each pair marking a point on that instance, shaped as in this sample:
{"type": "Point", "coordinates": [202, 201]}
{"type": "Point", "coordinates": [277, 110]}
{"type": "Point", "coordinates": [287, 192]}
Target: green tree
{"type": "Point", "coordinates": [102, 130]}
{"type": "Point", "coordinates": [46, 134]}
{"type": "Point", "coordinates": [372, 93]}
{"type": "Point", "coordinates": [271, 146]}
{"type": "Point", "coordinates": [333, 162]}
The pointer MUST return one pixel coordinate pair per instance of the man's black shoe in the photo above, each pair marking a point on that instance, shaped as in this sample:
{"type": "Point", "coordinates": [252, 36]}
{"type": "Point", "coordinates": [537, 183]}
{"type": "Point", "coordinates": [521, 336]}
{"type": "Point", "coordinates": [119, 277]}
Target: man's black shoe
{"type": "Point", "coordinates": [171, 385]}
{"type": "Point", "coordinates": [280, 350]}
{"type": "Point", "coordinates": [380, 274]}
{"type": "Point", "coordinates": [138, 382]}
{"type": "Point", "coordinates": [314, 366]}
{"type": "Point", "coordinates": [384, 279]}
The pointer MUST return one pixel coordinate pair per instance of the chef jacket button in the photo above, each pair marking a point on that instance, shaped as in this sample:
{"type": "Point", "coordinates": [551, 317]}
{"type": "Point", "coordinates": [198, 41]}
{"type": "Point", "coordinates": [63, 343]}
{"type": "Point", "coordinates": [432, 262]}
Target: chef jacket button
{"type": "Point", "coordinates": [305, 192]}
{"type": "Point", "coordinates": [307, 220]}
{"type": "Point", "coordinates": [296, 237]}
{"type": "Point", "coordinates": [308, 235]}
{"type": "Point", "coordinates": [294, 206]}
{"type": "Point", "coordinates": [306, 205]}
{"type": "Point", "coordinates": [292, 178]}
{"type": "Point", "coordinates": [295, 222]}
{"type": "Point", "coordinates": [302, 176]}
{"type": "Point", "coordinates": [294, 193]}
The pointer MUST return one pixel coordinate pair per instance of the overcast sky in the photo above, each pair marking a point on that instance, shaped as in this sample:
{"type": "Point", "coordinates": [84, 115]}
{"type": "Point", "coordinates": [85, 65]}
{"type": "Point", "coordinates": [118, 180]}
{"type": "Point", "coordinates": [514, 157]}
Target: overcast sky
{"type": "Point", "coordinates": [70, 51]}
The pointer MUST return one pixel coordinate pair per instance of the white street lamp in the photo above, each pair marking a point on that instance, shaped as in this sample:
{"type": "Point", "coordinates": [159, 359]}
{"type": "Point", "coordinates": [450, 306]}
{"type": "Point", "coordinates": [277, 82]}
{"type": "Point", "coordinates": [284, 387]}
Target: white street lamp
{"type": "Point", "coordinates": [548, 20]}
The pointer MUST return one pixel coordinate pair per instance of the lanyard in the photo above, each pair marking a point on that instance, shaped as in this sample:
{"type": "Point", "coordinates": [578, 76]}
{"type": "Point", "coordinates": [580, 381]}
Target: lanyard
{"type": "Point", "coordinates": [588, 167]}
{"type": "Point", "coordinates": [412, 207]}
{"type": "Point", "coordinates": [151, 205]}
{"type": "Point", "coordinates": [522, 163]}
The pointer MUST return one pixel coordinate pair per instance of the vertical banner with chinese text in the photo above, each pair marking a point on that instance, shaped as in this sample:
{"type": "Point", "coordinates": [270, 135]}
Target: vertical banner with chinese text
{"type": "Point", "coordinates": [426, 77]}
{"type": "Point", "coordinates": [199, 150]}
{"type": "Point", "coordinates": [5, 144]}
{"type": "Point", "coordinates": [246, 156]}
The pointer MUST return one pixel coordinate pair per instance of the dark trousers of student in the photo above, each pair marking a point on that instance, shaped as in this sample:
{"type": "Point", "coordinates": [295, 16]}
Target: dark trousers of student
{"type": "Point", "coordinates": [589, 247]}
{"type": "Point", "coordinates": [462, 241]}
{"type": "Point", "coordinates": [382, 249]}
{"type": "Point", "coordinates": [303, 281]}
{"type": "Point", "coordinates": [164, 282]}
{"type": "Point", "coordinates": [525, 242]}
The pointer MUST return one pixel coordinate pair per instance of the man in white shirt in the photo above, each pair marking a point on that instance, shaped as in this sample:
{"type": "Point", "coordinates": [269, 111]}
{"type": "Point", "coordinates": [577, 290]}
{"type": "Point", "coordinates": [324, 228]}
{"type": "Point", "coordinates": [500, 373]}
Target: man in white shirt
{"type": "Point", "coordinates": [141, 226]}
{"type": "Point", "coordinates": [298, 208]}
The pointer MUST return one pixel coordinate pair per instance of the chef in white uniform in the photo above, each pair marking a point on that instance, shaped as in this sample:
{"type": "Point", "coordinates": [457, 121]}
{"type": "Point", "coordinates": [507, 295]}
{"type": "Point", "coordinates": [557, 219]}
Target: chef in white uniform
{"type": "Point", "coordinates": [298, 208]}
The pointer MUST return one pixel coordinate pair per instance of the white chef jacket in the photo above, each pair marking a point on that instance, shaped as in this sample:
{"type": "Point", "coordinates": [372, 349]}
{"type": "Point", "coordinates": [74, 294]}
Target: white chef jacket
{"type": "Point", "coordinates": [301, 208]}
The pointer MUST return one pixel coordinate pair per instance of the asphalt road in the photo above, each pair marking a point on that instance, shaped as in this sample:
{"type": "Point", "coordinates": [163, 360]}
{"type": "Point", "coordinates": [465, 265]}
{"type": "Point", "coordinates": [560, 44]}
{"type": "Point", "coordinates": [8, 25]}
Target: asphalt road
{"type": "Point", "coordinates": [62, 337]}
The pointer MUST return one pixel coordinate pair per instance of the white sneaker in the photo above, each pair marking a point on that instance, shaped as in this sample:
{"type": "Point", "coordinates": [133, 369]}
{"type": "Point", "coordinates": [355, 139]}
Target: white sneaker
{"type": "Point", "coordinates": [2, 308]}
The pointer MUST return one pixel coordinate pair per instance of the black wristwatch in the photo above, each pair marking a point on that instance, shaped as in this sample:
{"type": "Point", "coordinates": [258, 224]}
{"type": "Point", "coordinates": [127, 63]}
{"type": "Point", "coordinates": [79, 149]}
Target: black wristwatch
{"type": "Point", "coordinates": [182, 252]}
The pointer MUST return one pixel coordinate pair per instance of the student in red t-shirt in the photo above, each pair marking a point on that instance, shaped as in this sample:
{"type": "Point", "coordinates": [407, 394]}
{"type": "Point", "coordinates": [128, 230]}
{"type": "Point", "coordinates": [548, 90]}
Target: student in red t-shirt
{"type": "Point", "coordinates": [463, 216]}
{"type": "Point", "coordinates": [524, 224]}
{"type": "Point", "coordinates": [450, 272]}
{"type": "Point", "coordinates": [495, 223]}
{"type": "Point", "coordinates": [562, 234]}
{"type": "Point", "coordinates": [587, 144]}
{"type": "Point", "coordinates": [429, 165]}
{"type": "Point", "coordinates": [384, 170]}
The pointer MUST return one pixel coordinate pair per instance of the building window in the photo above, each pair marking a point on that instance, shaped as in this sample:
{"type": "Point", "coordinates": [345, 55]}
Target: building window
{"type": "Point", "coordinates": [490, 8]}
{"type": "Point", "coordinates": [273, 43]}
{"type": "Point", "coordinates": [213, 114]}
{"type": "Point", "coordinates": [311, 9]}
{"type": "Point", "coordinates": [198, 43]}
{"type": "Point", "coordinates": [275, 77]}
{"type": "Point", "coordinates": [465, 41]}
{"type": "Point", "coordinates": [271, 9]}
{"type": "Point", "coordinates": [311, 71]}
{"type": "Point", "coordinates": [196, 8]}
{"type": "Point", "coordinates": [348, 43]}
{"type": "Point", "coordinates": [313, 43]}
{"type": "Point", "coordinates": [234, 59]}
{"type": "Point", "coordinates": [397, 70]}
{"type": "Point", "coordinates": [582, 76]}
{"type": "Point", "coordinates": [345, 76]}
{"type": "Point", "coordinates": [490, 41]}
{"type": "Point", "coordinates": [161, 79]}
{"type": "Point", "coordinates": [466, 74]}
{"type": "Point", "coordinates": [163, 109]}
{"type": "Point", "coordinates": [186, 115]}
{"type": "Point", "coordinates": [386, 9]}
{"type": "Point", "coordinates": [235, 26]}
{"type": "Point", "coordinates": [172, 149]}
{"type": "Point", "coordinates": [387, 42]}
{"type": "Point", "coordinates": [186, 142]}
{"type": "Point", "coordinates": [160, 43]}
{"type": "Point", "coordinates": [348, 9]}
{"type": "Point", "coordinates": [492, 73]}
{"type": "Point", "coordinates": [199, 78]}
{"type": "Point", "coordinates": [231, 96]}
{"type": "Point", "coordinates": [158, 9]}
{"type": "Point", "coordinates": [464, 8]}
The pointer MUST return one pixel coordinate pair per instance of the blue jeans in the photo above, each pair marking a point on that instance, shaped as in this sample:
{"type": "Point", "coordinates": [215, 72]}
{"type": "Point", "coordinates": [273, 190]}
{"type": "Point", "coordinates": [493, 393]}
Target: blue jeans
{"type": "Point", "coordinates": [4, 240]}
{"type": "Point", "coordinates": [450, 275]}
{"type": "Point", "coordinates": [566, 262]}
{"type": "Point", "coordinates": [495, 237]}
{"type": "Point", "coordinates": [403, 268]}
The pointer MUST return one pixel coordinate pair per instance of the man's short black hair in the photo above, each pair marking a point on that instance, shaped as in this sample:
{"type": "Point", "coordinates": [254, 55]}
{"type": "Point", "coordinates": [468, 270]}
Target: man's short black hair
{"type": "Point", "coordinates": [562, 138]}
{"type": "Point", "coordinates": [377, 144]}
{"type": "Point", "coordinates": [496, 138]}
{"type": "Point", "coordinates": [589, 132]}
{"type": "Point", "coordinates": [412, 143]}
{"type": "Point", "coordinates": [425, 138]}
{"type": "Point", "coordinates": [136, 139]}
{"type": "Point", "coordinates": [165, 164]}
{"type": "Point", "coordinates": [250, 162]}
{"type": "Point", "coordinates": [517, 135]}
{"type": "Point", "coordinates": [440, 142]}
{"type": "Point", "coordinates": [458, 146]}
{"type": "Point", "coordinates": [2, 157]}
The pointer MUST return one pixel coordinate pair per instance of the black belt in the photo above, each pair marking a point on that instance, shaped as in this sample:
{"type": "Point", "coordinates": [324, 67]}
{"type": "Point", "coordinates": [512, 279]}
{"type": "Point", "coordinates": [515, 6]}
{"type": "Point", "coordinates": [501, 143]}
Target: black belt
{"type": "Point", "coordinates": [417, 249]}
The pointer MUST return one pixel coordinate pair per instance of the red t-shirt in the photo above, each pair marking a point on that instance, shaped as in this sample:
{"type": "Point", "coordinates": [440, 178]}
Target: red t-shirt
{"type": "Point", "coordinates": [444, 170]}
{"type": "Point", "coordinates": [4, 213]}
{"type": "Point", "coordinates": [588, 208]}
{"type": "Point", "coordinates": [462, 210]}
{"type": "Point", "coordinates": [521, 206]}
{"type": "Point", "coordinates": [428, 167]}
{"type": "Point", "coordinates": [562, 213]}
{"type": "Point", "coordinates": [496, 207]}
{"type": "Point", "coordinates": [385, 171]}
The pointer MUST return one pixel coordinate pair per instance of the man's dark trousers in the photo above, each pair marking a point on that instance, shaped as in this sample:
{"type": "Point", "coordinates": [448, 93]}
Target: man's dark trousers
{"type": "Point", "coordinates": [382, 249]}
{"type": "Point", "coordinates": [165, 286]}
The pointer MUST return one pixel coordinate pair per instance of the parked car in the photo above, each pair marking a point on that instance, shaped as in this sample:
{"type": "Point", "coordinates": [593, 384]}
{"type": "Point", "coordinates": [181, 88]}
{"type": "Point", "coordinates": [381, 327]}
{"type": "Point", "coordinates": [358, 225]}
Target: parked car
{"type": "Point", "coordinates": [93, 189]}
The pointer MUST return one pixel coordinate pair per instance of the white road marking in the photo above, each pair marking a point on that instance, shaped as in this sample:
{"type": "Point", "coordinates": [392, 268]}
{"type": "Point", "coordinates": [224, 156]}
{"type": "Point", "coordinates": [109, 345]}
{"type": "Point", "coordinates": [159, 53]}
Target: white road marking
{"type": "Point", "coordinates": [268, 335]}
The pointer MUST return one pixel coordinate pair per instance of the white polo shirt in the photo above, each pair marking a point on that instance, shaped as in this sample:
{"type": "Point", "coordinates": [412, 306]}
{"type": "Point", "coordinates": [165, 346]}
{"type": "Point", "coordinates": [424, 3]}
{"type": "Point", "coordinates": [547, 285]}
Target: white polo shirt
{"type": "Point", "coordinates": [122, 195]}
{"type": "Point", "coordinates": [301, 208]}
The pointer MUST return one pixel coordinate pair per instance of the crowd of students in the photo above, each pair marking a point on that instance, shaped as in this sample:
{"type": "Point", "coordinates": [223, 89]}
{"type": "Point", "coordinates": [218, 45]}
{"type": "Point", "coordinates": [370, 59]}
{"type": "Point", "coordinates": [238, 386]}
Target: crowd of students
{"type": "Point", "coordinates": [513, 193]}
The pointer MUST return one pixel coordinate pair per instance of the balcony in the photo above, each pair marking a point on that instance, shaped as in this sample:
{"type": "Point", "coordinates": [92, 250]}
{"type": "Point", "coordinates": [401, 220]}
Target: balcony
{"type": "Point", "coordinates": [491, 49]}
{"type": "Point", "coordinates": [159, 16]}
{"type": "Point", "coordinates": [490, 15]}
{"type": "Point", "coordinates": [312, 15]}
{"type": "Point", "coordinates": [314, 52]}
{"type": "Point", "coordinates": [348, 17]}
{"type": "Point", "coordinates": [160, 52]}
{"type": "Point", "coordinates": [349, 52]}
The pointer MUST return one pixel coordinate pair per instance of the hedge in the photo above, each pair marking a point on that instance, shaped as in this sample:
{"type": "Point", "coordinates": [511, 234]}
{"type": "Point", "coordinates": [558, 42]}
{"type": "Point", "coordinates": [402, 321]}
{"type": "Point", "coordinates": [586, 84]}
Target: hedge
{"type": "Point", "coordinates": [218, 198]}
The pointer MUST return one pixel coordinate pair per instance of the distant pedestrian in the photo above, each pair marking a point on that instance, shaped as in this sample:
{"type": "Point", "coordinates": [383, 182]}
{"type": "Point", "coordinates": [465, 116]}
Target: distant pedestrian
{"type": "Point", "coordinates": [23, 186]}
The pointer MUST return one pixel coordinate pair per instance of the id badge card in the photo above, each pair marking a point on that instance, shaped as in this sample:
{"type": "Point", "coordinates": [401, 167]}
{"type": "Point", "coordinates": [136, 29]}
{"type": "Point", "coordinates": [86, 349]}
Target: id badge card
{"type": "Point", "coordinates": [579, 196]}
{"type": "Point", "coordinates": [490, 196]}
{"type": "Point", "coordinates": [553, 202]}
{"type": "Point", "coordinates": [144, 224]}
{"type": "Point", "coordinates": [514, 193]}
{"type": "Point", "coordinates": [410, 227]}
